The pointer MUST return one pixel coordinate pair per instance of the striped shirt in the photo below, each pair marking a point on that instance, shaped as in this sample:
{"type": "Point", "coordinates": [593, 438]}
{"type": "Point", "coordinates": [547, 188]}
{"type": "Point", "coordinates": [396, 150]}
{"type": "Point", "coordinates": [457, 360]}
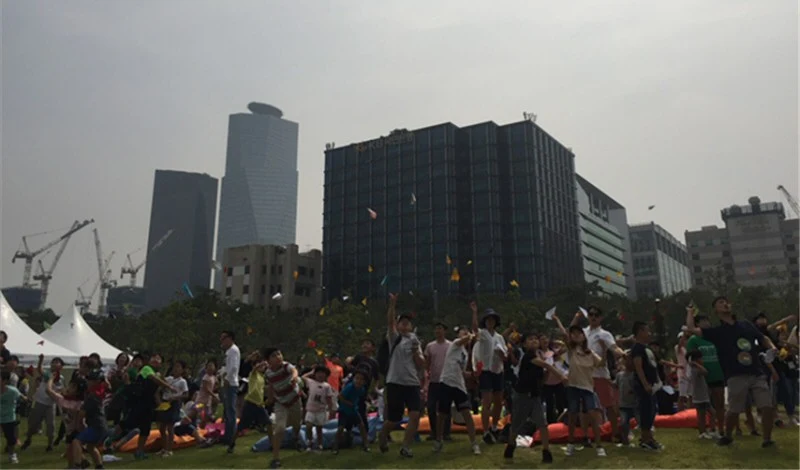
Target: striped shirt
{"type": "Point", "coordinates": [286, 391]}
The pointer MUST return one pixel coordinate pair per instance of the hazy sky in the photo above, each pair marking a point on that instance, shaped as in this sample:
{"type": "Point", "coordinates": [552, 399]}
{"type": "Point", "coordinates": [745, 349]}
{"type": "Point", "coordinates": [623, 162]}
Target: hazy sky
{"type": "Point", "coordinates": [688, 105]}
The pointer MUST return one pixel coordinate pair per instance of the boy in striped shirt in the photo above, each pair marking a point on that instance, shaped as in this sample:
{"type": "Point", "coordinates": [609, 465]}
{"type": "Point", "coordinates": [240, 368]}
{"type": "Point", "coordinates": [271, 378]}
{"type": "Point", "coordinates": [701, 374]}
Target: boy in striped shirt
{"type": "Point", "coordinates": [284, 391]}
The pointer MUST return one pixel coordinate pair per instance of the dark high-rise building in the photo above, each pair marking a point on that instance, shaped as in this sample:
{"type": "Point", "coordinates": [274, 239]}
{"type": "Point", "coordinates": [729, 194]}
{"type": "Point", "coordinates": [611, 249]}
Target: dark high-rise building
{"type": "Point", "coordinates": [497, 203]}
{"type": "Point", "coordinates": [185, 203]}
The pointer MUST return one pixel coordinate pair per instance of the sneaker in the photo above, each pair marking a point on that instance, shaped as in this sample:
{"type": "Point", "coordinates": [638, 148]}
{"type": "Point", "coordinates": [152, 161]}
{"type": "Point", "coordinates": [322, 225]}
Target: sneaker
{"type": "Point", "coordinates": [570, 450]}
{"type": "Point", "coordinates": [724, 441]}
{"type": "Point", "coordinates": [755, 433]}
{"type": "Point", "coordinates": [705, 435]}
{"type": "Point", "coordinates": [13, 458]}
{"type": "Point", "coordinates": [166, 454]}
{"type": "Point", "coordinates": [547, 457]}
{"type": "Point", "coordinates": [437, 446]}
{"type": "Point", "coordinates": [508, 453]}
{"type": "Point", "coordinates": [795, 421]}
{"type": "Point", "coordinates": [488, 438]}
{"type": "Point", "coordinates": [715, 434]}
{"type": "Point", "coordinates": [649, 445]}
{"type": "Point", "coordinates": [476, 448]}
{"type": "Point", "coordinates": [601, 452]}
{"type": "Point", "coordinates": [767, 444]}
{"type": "Point", "coordinates": [366, 449]}
{"type": "Point", "coordinates": [275, 463]}
{"type": "Point", "coordinates": [406, 452]}
{"type": "Point", "coordinates": [231, 447]}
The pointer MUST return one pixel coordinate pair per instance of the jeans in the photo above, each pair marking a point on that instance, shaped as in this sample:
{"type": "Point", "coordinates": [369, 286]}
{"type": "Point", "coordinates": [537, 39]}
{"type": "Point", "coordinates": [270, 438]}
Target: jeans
{"type": "Point", "coordinates": [626, 414]}
{"type": "Point", "coordinates": [433, 398]}
{"type": "Point", "coordinates": [253, 414]}
{"type": "Point", "coordinates": [229, 405]}
{"type": "Point", "coordinates": [786, 394]}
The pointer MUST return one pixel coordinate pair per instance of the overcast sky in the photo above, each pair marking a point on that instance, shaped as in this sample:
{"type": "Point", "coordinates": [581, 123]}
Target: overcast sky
{"type": "Point", "coordinates": [688, 105]}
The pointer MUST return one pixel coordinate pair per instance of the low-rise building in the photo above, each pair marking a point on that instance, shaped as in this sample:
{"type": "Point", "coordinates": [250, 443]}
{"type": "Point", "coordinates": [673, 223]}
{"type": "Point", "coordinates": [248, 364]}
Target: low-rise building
{"type": "Point", "coordinates": [277, 278]}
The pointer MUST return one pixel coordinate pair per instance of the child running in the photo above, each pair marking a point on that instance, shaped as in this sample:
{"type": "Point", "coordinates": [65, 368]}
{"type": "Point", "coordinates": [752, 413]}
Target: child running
{"type": "Point", "coordinates": [350, 400]}
{"type": "Point", "coordinates": [9, 398]}
{"type": "Point", "coordinates": [580, 386]}
{"type": "Point", "coordinates": [527, 401]}
{"type": "Point", "coordinates": [453, 390]}
{"type": "Point", "coordinates": [284, 391]}
{"type": "Point", "coordinates": [96, 424]}
{"type": "Point", "coordinates": [320, 403]}
{"type": "Point", "coordinates": [253, 411]}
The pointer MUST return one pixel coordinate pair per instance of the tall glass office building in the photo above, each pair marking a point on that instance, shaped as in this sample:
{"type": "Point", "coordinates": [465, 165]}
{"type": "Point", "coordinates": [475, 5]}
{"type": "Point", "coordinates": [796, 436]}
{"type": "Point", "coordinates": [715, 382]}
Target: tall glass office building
{"type": "Point", "coordinates": [496, 203]}
{"type": "Point", "coordinates": [258, 203]}
{"type": "Point", "coordinates": [186, 204]}
{"type": "Point", "coordinates": [660, 261]}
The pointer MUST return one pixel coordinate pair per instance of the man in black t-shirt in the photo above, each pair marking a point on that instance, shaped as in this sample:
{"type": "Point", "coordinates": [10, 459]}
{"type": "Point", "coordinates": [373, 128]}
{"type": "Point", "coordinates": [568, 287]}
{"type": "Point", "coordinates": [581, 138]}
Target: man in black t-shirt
{"type": "Point", "coordinates": [646, 384]}
{"type": "Point", "coordinates": [739, 344]}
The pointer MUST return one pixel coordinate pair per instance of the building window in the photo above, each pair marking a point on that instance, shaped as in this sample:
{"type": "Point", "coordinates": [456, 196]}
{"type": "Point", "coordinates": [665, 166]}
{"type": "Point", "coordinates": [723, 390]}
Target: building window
{"type": "Point", "coordinates": [280, 270]}
{"type": "Point", "coordinates": [272, 269]}
{"type": "Point", "coordinates": [227, 291]}
{"type": "Point", "coordinates": [790, 247]}
{"type": "Point", "coordinates": [245, 289]}
{"type": "Point", "coordinates": [263, 269]}
{"type": "Point", "coordinates": [263, 289]}
{"type": "Point", "coordinates": [726, 253]}
{"type": "Point", "coordinates": [311, 273]}
{"type": "Point", "coordinates": [708, 242]}
{"type": "Point", "coordinates": [793, 260]}
{"type": "Point", "coordinates": [301, 270]}
{"type": "Point", "coordinates": [696, 256]}
{"type": "Point", "coordinates": [230, 272]}
{"type": "Point", "coordinates": [247, 269]}
{"type": "Point", "coordinates": [278, 289]}
{"type": "Point", "coordinates": [699, 281]}
{"type": "Point", "coordinates": [698, 269]}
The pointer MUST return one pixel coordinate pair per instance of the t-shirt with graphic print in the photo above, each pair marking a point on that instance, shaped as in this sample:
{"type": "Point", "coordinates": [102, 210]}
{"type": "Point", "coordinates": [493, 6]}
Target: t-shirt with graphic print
{"type": "Point", "coordinates": [710, 359]}
{"type": "Point", "coordinates": [736, 347]}
{"type": "Point", "coordinates": [318, 395]}
{"type": "Point", "coordinates": [649, 367]}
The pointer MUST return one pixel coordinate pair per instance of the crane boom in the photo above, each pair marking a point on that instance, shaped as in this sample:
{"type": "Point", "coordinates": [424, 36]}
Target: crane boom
{"type": "Point", "coordinates": [29, 255]}
{"type": "Point", "coordinates": [790, 199]}
{"type": "Point", "coordinates": [45, 276]}
{"type": "Point", "coordinates": [134, 270]}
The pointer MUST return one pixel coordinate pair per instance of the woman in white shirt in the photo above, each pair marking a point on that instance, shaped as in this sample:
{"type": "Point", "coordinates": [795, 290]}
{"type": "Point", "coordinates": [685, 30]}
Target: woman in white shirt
{"type": "Point", "coordinates": [489, 356]}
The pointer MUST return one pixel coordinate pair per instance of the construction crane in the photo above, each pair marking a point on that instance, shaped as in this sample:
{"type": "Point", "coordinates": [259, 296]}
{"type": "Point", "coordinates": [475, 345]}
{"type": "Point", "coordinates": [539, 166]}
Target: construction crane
{"type": "Point", "coordinates": [790, 199]}
{"type": "Point", "coordinates": [132, 270]}
{"type": "Point", "coordinates": [45, 276]}
{"type": "Point", "coordinates": [103, 275]}
{"type": "Point", "coordinates": [85, 301]}
{"type": "Point", "coordinates": [29, 255]}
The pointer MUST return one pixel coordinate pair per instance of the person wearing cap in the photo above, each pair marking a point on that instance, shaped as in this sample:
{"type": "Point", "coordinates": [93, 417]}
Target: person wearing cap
{"type": "Point", "coordinates": [402, 379]}
{"type": "Point", "coordinates": [489, 356]}
{"type": "Point", "coordinates": [435, 353]}
{"type": "Point", "coordinates": [738, 344]}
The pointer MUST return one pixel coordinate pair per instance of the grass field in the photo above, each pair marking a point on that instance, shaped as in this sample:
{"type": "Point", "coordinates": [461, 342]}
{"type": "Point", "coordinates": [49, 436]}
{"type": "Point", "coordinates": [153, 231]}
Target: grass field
{"type": "Point", "coordinates": [682, 450]}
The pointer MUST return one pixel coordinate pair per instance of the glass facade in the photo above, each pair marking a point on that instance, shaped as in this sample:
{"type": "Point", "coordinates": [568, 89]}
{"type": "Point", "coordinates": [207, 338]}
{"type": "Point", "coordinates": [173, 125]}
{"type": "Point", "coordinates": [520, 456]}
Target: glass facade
{"type": "Point", "coordinates": [660, 262]}
{"type": "Point", "coordinates": [495, 202]}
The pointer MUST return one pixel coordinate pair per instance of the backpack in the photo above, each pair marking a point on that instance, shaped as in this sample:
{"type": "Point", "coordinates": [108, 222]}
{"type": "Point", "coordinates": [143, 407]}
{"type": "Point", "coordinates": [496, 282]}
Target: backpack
{"type": "Point", "coordinates": [385, 354]}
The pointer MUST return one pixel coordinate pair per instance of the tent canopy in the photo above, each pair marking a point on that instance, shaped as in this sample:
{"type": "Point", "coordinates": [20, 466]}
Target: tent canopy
{"type": "Point", "coordinates": [72, 332]}
{"type": "Point", "coordinates": [26, 343]}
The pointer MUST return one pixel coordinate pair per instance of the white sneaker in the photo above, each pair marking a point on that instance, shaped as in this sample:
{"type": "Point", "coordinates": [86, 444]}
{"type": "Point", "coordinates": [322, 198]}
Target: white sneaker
{"type": "Point", "coordinates": [601, 452]}
{"type": "Point", "coordinates": [570, 450]}
{"type": "Point", "coordinates": [476, 448]}
{"type": "Point", "coordinates": [795, 421]}
{"type": "Point", "coordinates": [715, 435]}
{"type": "Point", "coordinates": [14, 458]}
{"type": "Point", "coordinates": [706, 435]}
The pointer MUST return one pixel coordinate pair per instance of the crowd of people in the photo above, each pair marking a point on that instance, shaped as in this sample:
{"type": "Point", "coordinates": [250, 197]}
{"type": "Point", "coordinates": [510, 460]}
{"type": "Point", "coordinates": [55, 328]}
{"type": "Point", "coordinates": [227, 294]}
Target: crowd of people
{"type": "Point", "coordinates": [581, 375]}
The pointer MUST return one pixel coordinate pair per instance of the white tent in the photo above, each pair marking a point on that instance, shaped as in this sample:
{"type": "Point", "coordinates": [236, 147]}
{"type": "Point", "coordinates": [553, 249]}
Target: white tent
{"type": "Point", "coordinates": [72, 332]}
{"type": "Point", "coordinates": [26, 343]}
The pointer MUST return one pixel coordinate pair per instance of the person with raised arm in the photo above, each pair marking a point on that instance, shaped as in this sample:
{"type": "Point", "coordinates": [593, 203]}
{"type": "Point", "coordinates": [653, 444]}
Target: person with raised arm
{"type": "Point", "coordinates": [489, 356]}
{"type": "Point", "coordinates": [738, 344]}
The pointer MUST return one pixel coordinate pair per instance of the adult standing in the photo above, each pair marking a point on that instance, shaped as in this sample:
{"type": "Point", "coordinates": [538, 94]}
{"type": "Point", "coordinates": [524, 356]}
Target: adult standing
{"type": "Point", "coordinates": [5, 354]}
{"type": "Point", "coordinates": [600, 341]}
{"type": "Point", "coordinates": [232, 361]}
{"type": "Point", "coordinates": [435, 353]}
{"type": "Point", "coordinates": [738, 344]}
{"type": "Point", "coordinates": [714, 379]}
{"type": "Point", "coordinates": [402, 378]}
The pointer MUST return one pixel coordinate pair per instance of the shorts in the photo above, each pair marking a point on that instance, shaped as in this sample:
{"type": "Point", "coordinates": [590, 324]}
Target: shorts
{"type": "Point", "coordinates": [185, 430]}
{"type": "Point", "coordinates": [288, 416]}
{"type": "Point", "coordinates": [92, 436]}
{"type": "Point", "coordinates": [580, 400]}
{"type": "Point", "coordinates": [447, 396]}
{"type": "Point", "coordinates": [490, 382]}
{"type": "Point", "coordinates": [606, 393]}
{"type": "Point", "coordinates": [399, 398]}
{"type": "Point", "coordinates": [526, 407]}
{"type": "Point", "coordinates": [349, 421]}
{"type": "Point", "coordinates": [647, 410]}
{"type": "Point", "coordinates": [720, 384]}
{"type": "Point", "coordinates": [11, 432]}
{"type": "Point", "coordinates": [702, 406]}
{"type": "Point", "coordinates": [170, 416]}
{"type": "Point", "coordinates": [740, 386]}
{"type": "Point", "coordinates": [316, 418]}
{"type": "Point", "coordinates": [71, 436]}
